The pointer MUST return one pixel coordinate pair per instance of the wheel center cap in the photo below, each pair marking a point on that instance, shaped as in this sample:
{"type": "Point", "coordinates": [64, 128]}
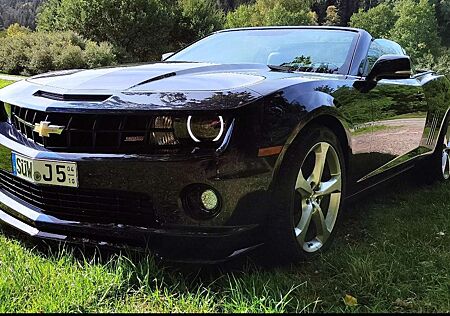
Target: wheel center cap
{"type": "Point", "coordinates": [313, 197]}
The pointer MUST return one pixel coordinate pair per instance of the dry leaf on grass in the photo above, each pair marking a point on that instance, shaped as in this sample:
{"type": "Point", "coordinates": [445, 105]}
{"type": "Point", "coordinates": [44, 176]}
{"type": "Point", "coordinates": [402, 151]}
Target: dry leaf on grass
{"type": "Point", "coordinates": [350, 300]}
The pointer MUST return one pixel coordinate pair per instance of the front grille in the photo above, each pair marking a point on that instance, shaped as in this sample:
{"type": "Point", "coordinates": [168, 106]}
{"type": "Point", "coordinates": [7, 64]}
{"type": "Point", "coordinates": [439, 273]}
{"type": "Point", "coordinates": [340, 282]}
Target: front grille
{"type": "Point", "coordinates": [99, 133]}
{"type": "Point", "coordinates": [93, 206]}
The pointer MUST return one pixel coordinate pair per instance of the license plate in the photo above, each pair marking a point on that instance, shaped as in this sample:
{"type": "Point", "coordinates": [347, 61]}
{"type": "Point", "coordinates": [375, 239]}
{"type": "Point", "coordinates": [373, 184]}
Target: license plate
{"type": "Point", "coordinates": [51, 172]}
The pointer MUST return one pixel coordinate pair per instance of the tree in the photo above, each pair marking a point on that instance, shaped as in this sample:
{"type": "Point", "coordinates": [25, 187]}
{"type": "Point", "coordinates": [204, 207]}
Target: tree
{"type": "Point", "coordinates": [22, 12]}
{"type": "Point", "coordinates": [443, 17]}
{"type": "Point", "coordinates": [140, 29]}
{"type": "Point", "coordinates": [272, 12]}
{"type": "Point", "coordinates": [378, 21]}
{"type": "Point", "coordinates": [332, 17]}
{"type": "Point", "coordinates": [346, 9]}
{"type": "Point", "coordinates": [196, 19]}
{"type": "Point", "coordinates": [416, 28]}
{"type": "Point", "coordinates": [227, 5]}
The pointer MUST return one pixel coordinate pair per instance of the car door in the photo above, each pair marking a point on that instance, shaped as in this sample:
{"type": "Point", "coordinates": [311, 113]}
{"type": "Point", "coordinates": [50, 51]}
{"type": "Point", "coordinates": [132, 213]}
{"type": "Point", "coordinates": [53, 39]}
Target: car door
{"type": "Point", "coordinates": [399, 112]}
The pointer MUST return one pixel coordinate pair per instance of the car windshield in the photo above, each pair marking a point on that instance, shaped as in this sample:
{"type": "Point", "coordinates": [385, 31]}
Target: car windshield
{"type": "Point", "coordinates": [311, 50]}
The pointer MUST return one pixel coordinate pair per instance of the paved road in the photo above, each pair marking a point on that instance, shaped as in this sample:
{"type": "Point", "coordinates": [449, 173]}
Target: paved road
{"type": "Point", "coordinates": [11, 78]}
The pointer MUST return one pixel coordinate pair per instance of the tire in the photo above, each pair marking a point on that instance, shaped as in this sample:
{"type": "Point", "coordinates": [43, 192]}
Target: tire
{"type": "Point", "coordinates": [436, 167]}
{"type": "Point", "coordinates": [306, 211]}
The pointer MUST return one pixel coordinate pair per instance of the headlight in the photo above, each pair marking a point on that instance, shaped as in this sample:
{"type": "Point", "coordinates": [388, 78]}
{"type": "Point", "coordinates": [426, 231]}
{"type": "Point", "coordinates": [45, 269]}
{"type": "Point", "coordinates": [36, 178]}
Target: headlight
{"type": "Point", "coordinates": [164, 139]}
{"type": "Point", "coordinates": [184, 131]}
{"type": "Point", "coordinates": [163, 122]}
{"type": "Point", "coordinates": [162, 132]}
{"type": "Point", "coordinates": [205, 129]}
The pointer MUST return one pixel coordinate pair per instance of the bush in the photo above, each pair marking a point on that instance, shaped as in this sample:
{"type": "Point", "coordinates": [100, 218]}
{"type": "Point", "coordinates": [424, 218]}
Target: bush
{"type": "Point", "coordinates": [30, 53]}
{"type": "Point", "coordinates": [13, 54]}
{"type": "Point", "coordinates": [40, 59]}
{"type": "Point", "coordinates": [99, 55]}
{"type": "Point", "coordinates": [16, 29]}
{"type": "Point", "coordinates": [71, 57]}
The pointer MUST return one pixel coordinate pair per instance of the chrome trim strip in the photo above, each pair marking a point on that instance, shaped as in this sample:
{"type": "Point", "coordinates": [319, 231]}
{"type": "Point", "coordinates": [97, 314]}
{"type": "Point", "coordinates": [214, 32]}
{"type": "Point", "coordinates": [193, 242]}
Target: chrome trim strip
{"type": "Point", "coordinates": [393, 163]}
{"type": "Point", "coordinates": [226, 139]}
{"type": "Point", "coordinates": [23, 121]}
{"type": "Point", "coordinates": [18, 224]}
{"type": "Point", "coordinates": [29, 211]}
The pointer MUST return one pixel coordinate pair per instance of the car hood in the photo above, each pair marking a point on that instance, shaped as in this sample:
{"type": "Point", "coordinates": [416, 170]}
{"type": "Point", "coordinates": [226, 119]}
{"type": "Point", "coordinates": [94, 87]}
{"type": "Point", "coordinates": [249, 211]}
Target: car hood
{"type": "Point", "coordinates": [163, 85]}
{"type": "Point", "coordinates": [160, 77]}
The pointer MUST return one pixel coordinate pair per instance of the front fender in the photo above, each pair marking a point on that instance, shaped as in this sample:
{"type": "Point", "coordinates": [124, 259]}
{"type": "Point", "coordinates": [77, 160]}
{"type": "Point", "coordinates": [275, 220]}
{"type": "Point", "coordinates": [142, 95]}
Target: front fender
{"type": "Point", "coordinates": [287, 113]}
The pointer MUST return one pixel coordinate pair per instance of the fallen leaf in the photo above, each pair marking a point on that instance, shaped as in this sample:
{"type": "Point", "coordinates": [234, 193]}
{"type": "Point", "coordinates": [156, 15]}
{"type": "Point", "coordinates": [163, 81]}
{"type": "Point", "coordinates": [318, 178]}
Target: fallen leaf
{"type": "Point", "coordinates": [350, 300]}
{"type": "Point", "coordinates": [404, 303]}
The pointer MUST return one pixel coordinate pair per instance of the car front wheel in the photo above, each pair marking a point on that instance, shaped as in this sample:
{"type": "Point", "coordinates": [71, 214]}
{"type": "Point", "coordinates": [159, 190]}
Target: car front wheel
{"type": "Point", "coordinates": [308, 196]}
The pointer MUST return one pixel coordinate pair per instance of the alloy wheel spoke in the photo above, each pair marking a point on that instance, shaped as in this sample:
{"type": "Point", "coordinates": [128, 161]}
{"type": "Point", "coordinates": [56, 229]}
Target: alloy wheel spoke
{"type": "Point", "coordinates": [321, 157]}
{"type": "Point", "coordinates": [445, 161]}
{"type": "Point", "coordinates": [319, 221]}
{"type": "Point", "coordinates": [302, 185]}
{"type": "Point", "coordinates": [331, 186]}
{"type": "Point", "coordinates": [314, 227]}
{"type": "Point", "coordinates": [305, 220]}
{"type": "Point", "coordinates": [447, 166]}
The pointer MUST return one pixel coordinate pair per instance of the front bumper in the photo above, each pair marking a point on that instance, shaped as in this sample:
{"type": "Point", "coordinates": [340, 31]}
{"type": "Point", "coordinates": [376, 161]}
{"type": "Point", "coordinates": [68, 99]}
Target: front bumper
{"type": "Point", "coordinates": [242, 184]}
{"type": "Point", "coordinates": [175, 243]}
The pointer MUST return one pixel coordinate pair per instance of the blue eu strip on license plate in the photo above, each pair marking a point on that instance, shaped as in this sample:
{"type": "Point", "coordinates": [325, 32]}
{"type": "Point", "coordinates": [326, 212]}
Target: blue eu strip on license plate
{"type": "Point", "coordinates": [13, 162]}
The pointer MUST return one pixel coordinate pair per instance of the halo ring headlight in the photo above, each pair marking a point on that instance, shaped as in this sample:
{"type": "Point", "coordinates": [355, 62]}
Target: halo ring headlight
{"type": "Point", "coordinates": [197, 138]}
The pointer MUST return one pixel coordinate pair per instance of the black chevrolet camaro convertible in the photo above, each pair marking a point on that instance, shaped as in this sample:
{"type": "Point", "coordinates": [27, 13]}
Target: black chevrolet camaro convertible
{"type": "Point", "coordinates": [248, 137]}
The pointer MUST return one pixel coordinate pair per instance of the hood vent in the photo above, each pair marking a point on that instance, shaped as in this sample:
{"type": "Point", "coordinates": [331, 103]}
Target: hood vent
{"type": "Point", "coordinates": [72, 97]}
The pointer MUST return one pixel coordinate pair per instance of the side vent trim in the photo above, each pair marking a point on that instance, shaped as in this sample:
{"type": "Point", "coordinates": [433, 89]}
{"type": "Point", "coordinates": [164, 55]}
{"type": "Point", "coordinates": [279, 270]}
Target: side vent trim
{"type": "Point", "coordinates": [433, 129]}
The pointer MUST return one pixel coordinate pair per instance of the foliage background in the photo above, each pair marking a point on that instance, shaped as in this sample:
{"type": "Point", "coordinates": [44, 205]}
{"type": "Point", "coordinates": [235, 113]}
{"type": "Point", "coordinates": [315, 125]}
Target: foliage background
{"type": "Point", "coordinates": [141, 30]}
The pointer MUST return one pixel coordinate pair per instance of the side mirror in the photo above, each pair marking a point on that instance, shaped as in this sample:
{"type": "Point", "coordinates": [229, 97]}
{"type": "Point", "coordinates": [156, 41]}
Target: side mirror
{"type": "Point", "coordinates": [386, 67]}
{"type": "Point", "coordinates": [390, 67]}
{"type": "Point", "coordinates": [166, 55]}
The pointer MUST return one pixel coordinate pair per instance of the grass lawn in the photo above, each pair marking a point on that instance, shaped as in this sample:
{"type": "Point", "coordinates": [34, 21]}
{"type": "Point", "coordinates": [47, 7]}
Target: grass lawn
{"type": "Point", "coordinates": [4, 83]}
{"type": "Point", "coordinates": [392, 253]}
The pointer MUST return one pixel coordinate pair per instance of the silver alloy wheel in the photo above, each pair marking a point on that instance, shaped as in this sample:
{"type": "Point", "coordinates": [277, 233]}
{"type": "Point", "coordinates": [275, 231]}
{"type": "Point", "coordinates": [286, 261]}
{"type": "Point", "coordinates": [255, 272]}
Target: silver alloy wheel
{"type": "Point", "coordinates": [446, 156]}
{"type": "Point", "coordinates": [317, 213]}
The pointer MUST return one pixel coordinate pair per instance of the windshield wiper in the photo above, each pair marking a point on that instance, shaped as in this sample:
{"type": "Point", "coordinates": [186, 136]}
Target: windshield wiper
{"type": "Point", "coordinates": [280, 68]}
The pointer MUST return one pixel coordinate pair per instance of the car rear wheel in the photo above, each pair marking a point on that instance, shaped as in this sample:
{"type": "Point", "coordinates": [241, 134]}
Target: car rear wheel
{"type": "Point", "coordinates": [308, 196]}
{"type": "Point", "coordinates": [437, 166]}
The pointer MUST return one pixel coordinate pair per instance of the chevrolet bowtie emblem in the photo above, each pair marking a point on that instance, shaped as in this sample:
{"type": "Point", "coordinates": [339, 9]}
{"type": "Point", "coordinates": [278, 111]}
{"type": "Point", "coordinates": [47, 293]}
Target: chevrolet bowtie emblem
{"type": "Point", "coordinates": [45, 129]}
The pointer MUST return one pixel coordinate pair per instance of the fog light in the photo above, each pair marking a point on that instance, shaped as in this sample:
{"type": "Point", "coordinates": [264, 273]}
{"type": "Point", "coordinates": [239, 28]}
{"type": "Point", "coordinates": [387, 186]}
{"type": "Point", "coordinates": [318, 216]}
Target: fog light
{"type": "Point", "coordinates": [209, 200]}
{"type": "Point", "coordinates": [201, 201]}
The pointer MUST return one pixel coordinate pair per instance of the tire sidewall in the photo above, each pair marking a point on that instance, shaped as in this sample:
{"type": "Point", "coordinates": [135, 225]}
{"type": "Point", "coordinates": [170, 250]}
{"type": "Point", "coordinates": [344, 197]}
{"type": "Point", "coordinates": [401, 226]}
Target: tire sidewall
{"type": "Point", "coordinates": [281, 219]}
